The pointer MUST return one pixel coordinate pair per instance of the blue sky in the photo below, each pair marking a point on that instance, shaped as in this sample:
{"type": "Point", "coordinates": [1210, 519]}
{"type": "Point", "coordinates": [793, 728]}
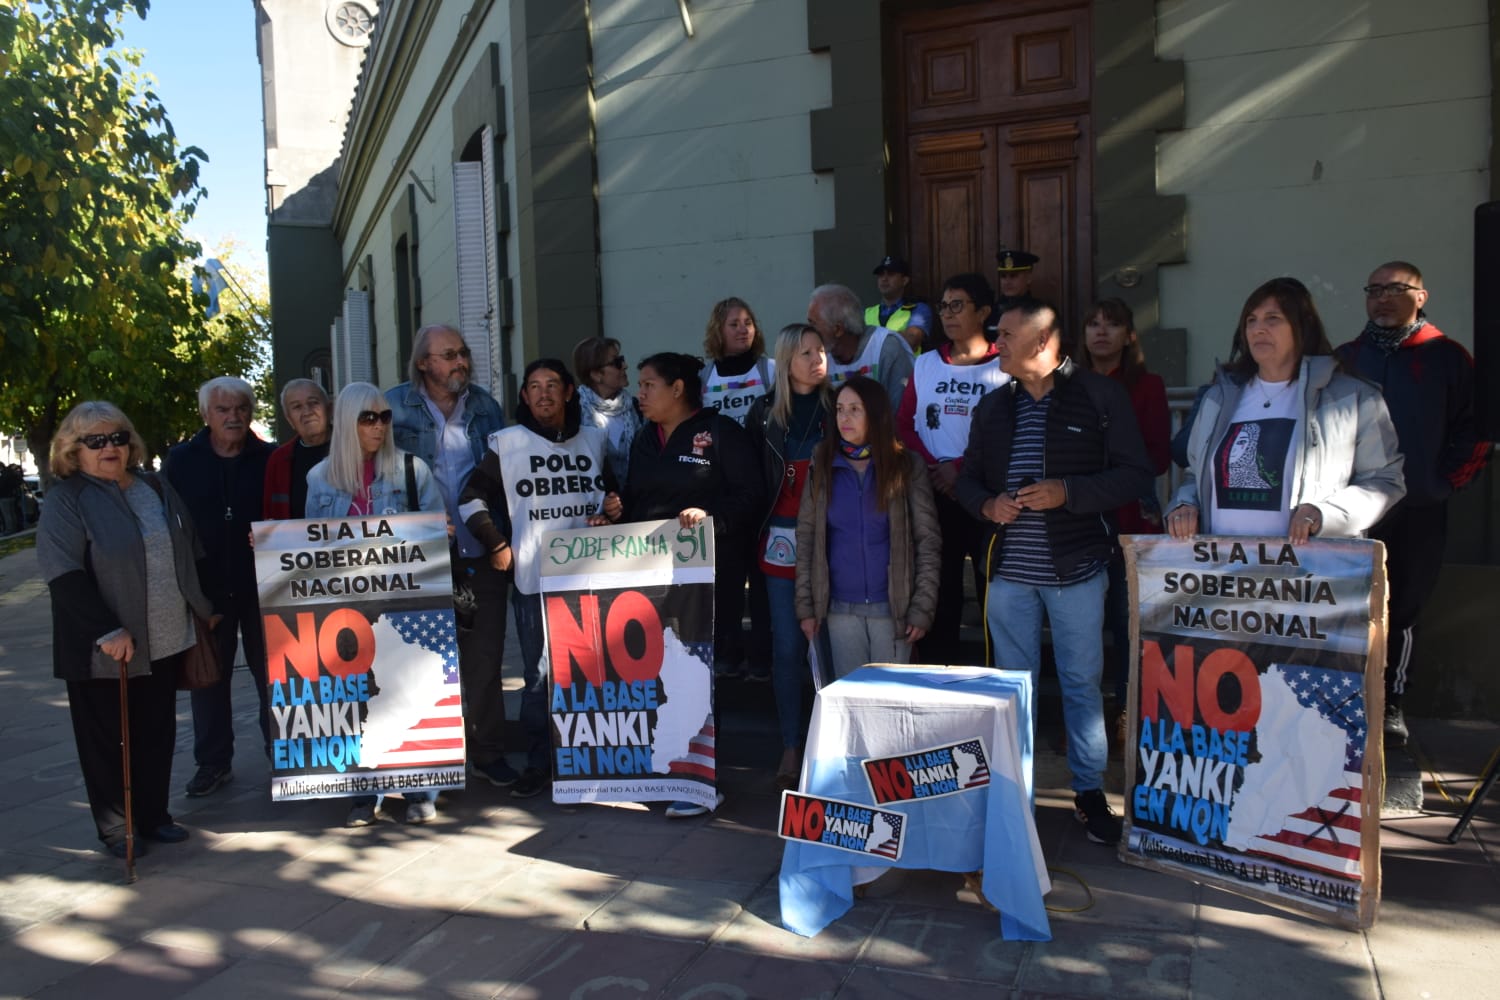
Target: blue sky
{"type": "Point", "coordinates": [202, 53]}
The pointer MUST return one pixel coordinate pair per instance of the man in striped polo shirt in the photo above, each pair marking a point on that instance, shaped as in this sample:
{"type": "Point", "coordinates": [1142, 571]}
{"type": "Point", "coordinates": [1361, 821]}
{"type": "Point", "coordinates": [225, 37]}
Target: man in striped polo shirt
{"type": "Point", "coordinates": [1050, 454]}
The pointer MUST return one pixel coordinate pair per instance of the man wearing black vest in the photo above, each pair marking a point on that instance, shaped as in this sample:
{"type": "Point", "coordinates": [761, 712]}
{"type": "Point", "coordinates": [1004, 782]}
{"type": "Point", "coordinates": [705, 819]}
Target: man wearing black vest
{"type": "Point", "coordinates": [1052, 536]}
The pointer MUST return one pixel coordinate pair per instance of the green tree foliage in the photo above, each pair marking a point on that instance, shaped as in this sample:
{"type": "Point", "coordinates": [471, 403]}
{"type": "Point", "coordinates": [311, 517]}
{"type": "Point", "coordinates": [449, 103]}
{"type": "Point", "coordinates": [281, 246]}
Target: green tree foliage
{"type": "Point", "coordinates": [96, 300]}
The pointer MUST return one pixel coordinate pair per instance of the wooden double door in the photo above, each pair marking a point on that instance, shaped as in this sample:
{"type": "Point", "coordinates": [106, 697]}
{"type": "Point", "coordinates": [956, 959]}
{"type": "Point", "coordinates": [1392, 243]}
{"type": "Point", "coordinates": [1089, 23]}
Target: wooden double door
{"type": "Point", "coordinates": [992, 143]}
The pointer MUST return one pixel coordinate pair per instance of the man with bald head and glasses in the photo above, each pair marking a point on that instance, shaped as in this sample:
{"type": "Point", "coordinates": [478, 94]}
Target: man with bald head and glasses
{"type": "Point", "coordinates": [1428, 384]}
{"type": "Point", "coordinates": [445, 419]}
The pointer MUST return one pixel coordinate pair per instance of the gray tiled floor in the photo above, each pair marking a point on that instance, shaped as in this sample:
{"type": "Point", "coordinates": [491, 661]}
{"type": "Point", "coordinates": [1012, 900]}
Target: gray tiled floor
{"type": "Point", "coordinates": [531, 900]}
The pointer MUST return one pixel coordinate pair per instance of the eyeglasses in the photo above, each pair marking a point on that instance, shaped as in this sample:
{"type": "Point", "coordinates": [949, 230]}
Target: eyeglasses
{"type": "Point", "coordinates": [370, 418]}
{"type": "Point", "coordinates": [618, 362]}
{"type": "Point", "coordinates": [451, 355]}
{"type": "Point", "coordinates": [96, 442]}
{"type": "Point", "coordinates": [1390, 291]}
{"type": "Point", "coordinates": [951, 307]}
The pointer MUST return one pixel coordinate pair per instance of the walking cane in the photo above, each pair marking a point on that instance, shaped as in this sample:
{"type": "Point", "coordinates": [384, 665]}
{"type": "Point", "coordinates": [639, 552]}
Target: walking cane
{"type": "Point", "coordinates": [125, 757]}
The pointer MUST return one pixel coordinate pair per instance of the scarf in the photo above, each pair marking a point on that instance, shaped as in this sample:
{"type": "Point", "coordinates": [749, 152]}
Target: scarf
{"type": "Point", "coordinates": [856, 452]}
{"type": "Point", "coordinates": [608, 407]}
{"type": "Point", "coordinates": [1388, 339]}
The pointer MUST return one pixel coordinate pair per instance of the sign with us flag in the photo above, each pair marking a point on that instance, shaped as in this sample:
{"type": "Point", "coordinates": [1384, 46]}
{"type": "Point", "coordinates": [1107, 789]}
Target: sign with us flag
{"type": "Point", "coordinates": [1256, 698]}
{"type": "Point", "coordinates": [362, 656]}
{"type": "Point", "coordinates": [629, 629]}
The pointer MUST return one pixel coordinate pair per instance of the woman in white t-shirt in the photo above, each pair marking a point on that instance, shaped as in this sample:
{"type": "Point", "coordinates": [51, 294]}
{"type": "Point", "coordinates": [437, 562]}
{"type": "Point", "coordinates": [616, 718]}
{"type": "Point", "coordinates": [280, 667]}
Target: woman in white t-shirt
{"type": "Point", "coordinates": [1285, 443]}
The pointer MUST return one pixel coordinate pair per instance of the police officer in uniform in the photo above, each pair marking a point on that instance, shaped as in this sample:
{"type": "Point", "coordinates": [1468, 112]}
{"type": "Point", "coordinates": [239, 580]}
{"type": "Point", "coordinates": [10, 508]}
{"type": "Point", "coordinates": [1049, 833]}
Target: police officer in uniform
{"type": "Point", "coordinates": [898, 311]}
{"type": "Point", "coordinates": [1014, 270]}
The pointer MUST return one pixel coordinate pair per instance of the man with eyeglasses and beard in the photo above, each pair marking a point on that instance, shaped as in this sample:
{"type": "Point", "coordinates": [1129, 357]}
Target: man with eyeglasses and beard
{"type": "Point", "coordinates": [220, 474]}
{"type": "Point", "coordinates": [1428, 384]}
{"type": "Point", "coordinates": [444, 419]}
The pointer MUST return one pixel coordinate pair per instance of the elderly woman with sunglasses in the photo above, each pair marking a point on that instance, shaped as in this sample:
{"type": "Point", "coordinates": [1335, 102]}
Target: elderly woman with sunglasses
{"type": "Point", "coordinates": [116, 547]}
{"type": "Point", "coordinates": [365, 474]}
{"type": "Point", "coordinates": [605, 400]}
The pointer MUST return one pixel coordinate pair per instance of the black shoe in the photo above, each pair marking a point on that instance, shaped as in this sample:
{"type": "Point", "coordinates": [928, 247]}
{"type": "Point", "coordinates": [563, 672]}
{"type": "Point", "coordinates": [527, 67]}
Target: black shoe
{"type": "Point", "coordinates": [1098, 819]}
{"type": "Point", "coordinates": [497, 772]}
{"type": "Point", "coordinates": [529, 785]}
{"type": "Point", "coordinates": [208, 780]}
{"type": "Point", "coordinates": [117, 848]}
{"type": "Point", "coordinates": [167, 833]}
{"type": "Point", "coordinates": [1396, 734]}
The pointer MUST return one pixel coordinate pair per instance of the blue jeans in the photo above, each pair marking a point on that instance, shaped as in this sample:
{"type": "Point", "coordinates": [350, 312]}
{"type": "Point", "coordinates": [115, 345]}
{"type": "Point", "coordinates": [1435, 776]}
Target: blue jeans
{"type": "Point", "coordinates": [536, 721]}
{"type": "Point", "coordinates": [789, 669]}
{"type": "Point", "coordinates": [1077, 616]}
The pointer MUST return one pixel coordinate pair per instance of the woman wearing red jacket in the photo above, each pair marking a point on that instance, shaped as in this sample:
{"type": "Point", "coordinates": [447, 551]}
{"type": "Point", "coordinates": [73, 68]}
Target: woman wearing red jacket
{"type": "Point", "coordinates": [1112, 347]}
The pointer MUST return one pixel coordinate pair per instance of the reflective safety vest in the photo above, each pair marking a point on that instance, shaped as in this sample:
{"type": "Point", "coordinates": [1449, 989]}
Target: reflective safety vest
{"type": "Point", "coordinates": [895, 321]}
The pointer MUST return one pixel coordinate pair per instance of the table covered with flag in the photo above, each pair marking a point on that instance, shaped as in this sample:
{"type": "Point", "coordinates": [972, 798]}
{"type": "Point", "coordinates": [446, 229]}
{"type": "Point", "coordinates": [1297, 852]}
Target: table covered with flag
{"type": "Point", "coordinates": [976, 812]}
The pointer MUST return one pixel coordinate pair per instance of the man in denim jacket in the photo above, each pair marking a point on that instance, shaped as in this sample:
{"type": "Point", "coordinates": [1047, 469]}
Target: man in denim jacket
{"type": "Point", "coordinates": [444, 419]}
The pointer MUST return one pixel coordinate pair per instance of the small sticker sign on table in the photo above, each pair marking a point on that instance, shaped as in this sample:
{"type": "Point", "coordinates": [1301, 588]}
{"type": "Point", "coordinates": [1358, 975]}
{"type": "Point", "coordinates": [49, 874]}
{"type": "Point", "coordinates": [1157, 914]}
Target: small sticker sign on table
{"type": "Point", "coordinates": [362, 656]}
{"type": "Point", "coordinates": [1257, 668]}
{"type": "Point", "coordinates": [629, 625]}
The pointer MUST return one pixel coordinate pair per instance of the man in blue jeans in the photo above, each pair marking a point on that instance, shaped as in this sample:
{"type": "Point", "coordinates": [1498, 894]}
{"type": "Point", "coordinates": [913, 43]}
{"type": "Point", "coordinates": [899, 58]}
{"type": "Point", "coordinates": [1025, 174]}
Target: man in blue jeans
{"type": "Point", "coordinates": [1049, 454]}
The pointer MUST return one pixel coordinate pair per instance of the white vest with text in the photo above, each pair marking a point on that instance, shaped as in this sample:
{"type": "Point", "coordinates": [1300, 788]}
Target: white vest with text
{"type": "Point", "coordinates": [946, 397]}
{"type": "Point", "coordinates": [548, 485]}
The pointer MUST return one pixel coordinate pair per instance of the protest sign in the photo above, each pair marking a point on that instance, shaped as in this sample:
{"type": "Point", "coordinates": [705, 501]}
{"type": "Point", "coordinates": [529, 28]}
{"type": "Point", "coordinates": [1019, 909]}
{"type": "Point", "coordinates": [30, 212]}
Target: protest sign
{"type": "Point", "coordinates": [1256, 695]}
{"type": "Point", "coordinates": [629, 625]}
{"type": "Point", "coordinates": [928, 774]}
{"type": "Point", "coordinates": [362, 656]}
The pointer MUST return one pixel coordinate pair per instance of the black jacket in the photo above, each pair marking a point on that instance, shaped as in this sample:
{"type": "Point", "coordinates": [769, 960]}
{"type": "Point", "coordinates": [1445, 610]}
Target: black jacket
{"type": "Point", "coordinates": [223, 496]}
{"type": "Point", "coordinates": [708, 462]}
{"type": "Point", "coordinates": [1093, 444]}
{"type": "Point", "coordinates": [768, 439]}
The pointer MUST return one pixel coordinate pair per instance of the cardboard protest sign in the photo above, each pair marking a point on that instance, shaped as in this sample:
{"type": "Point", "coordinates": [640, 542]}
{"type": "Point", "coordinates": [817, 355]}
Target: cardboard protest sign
{"type": "Point", "coordinates": [629, 626]}
{"type": "Point", "coordinates": [848, 826]}
{"type": "Point", "coordinates": [362, 656]}
{"type": "Point", "coordinates": [1256, 694]}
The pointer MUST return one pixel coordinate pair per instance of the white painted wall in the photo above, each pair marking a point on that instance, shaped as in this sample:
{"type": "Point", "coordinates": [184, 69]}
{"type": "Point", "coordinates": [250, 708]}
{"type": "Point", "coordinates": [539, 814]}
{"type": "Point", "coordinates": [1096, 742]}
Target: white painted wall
{"type": "Point", "coordinates": [370, 230]}
{"type": "Point", "coordinates": [705, 189]}
{"type": "Point", "coordinates": [1323, 139]}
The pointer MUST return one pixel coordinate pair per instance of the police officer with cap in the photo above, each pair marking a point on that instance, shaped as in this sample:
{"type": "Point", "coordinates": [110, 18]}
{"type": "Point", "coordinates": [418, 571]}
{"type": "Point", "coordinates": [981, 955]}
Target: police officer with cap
{"type": "Point", "coordinates": [1014, 268]}
{"type": "Point", "coordinates": [897, 311]}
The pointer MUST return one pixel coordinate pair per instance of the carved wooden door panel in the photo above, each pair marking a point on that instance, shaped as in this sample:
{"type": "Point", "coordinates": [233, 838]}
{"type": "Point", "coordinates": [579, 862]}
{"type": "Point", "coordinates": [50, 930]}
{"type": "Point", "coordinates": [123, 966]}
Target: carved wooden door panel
{"type": "Point", "coordinates": [993, 119]}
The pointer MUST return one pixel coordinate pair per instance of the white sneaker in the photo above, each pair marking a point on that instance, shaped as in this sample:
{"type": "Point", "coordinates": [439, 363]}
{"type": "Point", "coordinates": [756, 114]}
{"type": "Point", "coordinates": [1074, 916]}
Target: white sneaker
{"type": "Point", "coordinates": [685, 810]}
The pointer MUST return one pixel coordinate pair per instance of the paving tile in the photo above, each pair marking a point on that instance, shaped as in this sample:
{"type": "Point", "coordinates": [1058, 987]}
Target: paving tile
{"type": "Point", "coordinates": [690, 909]}
{"type": "Point", "coordinates": [758, 929]}
{"type": "Point", "coordinates": [721, 855]}
{"type": "Point", "coordinates": [884, 984]}
{"type": "Point", "coordinates": [352, 937]}
{"type": "Point", "coordinates": [253, 979]}
{"type": "Point", "coordinates": [604, 967]}
{"type": "Point", "coordinates": [560, 895]}
{"type": "Point", "coordinates": [46, 954]}
{"type": "Point", "coordinates": [725, 973]}
{"type": "Point", "coordinates": [139, 971]}
{"type": "Point", "coordinates": [1424, 949]}
{"type": "Point", "coordinates": [1086, 960]}
{"type": "Point", "coordinates": [468, 955]}
{"type": "Point", "coordinates": [241, 920]}
{"type": "Point", "coordinates": [1284, 967]}
{"type": "Point", "coordinates": [1125, 896]}
{"type": "Point", "coordinates": [944, 943]}
{"type": "Point", "coordinates": [1220, 911]}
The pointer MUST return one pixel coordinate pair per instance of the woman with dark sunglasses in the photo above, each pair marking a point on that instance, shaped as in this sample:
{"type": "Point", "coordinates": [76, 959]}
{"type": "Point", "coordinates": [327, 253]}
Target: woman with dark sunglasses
{"type": "Point", "coordinates": [365, 474]}
{"type": "Point", "coordinates": [605, 400]}
{"type": "Point", "coordinates": [115, 545]}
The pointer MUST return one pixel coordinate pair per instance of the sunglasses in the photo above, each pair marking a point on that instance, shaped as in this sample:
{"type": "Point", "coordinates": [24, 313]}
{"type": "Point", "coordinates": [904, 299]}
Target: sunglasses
{"type": "Point", "coordinates": [95, 442]}
{"type": "Point", "coordinates": [370, 418]}
{"type": "Point", "coordinates": [1390, 291]}
{"type": "Point", "coordinates": [619, 362]}
{"type": "Point", "coordinates": [451, 355]}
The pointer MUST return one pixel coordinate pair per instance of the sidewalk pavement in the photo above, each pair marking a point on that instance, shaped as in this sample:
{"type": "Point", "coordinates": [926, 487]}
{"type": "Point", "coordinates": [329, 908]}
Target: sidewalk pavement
{"type": "Point", "coordinates": [500, 897]}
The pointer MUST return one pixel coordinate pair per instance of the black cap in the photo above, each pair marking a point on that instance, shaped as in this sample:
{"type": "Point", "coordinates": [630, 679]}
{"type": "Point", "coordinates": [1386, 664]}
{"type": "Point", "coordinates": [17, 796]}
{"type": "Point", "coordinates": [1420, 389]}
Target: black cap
{"type": "Point", "coordinates": [893, 263]}
{"type": "Point", "coordinates": [1014, 261]}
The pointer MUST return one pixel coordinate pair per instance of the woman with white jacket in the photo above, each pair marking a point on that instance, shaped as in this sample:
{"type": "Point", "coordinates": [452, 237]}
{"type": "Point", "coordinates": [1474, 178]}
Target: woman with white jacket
{"type": "Point", "coordinates": [1285, 443]}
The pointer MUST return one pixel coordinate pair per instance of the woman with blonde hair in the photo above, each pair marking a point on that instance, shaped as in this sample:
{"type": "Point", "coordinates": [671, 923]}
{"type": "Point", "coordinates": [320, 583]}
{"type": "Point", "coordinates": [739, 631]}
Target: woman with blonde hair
{"type": "Point", "coordinates": [366, 474]}
{"type": "Point", "coordinates": [116, 547]}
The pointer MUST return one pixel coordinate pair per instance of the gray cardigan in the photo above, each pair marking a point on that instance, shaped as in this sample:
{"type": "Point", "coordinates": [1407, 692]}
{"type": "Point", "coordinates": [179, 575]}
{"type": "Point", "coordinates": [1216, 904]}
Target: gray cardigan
{"type": "Point", "coordinates": [90, 551]}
